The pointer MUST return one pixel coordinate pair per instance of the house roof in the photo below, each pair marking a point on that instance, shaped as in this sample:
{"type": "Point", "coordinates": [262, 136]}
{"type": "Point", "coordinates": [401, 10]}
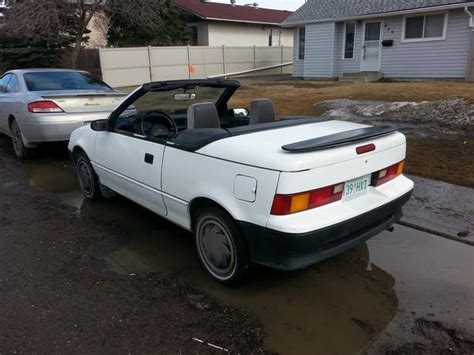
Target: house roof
{"type": "Point", "coordinates": [232, 13]}
{"type": "Point", "coordinates": [320, 10]}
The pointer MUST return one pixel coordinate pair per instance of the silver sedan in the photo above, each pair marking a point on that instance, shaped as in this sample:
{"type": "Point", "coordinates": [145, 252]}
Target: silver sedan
{"type": "Point", "coordinates": [46, 105]}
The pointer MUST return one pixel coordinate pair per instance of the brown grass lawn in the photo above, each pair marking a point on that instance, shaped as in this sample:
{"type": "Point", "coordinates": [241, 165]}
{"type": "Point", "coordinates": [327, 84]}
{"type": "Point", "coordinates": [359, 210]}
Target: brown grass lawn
{"type": "Point", "coordinates": [298, 97]}
{"type": "Point", "coordinates": [450, 160]}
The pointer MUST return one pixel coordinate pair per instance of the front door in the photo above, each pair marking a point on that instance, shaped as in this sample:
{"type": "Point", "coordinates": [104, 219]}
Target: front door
{"type": "Point", "coordinates": [371, 46]}
{"type": "Point", "coordinates": [131, 166]}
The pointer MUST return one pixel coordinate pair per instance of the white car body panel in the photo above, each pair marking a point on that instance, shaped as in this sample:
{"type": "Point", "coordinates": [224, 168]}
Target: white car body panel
{"type": "Point", "coordinates": [119, 162]}
{"type": "Point", "coordinates": [270, 155]}
{"type": "Point", "coordinates": [188, 176]}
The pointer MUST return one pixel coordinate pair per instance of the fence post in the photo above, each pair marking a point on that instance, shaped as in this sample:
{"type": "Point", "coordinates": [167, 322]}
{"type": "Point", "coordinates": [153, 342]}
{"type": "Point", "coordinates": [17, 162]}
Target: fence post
{"type": "Point", "coordinates": [189, 62]}
{"type": "Point", "coordinates": [102, 67]}
{"type": "Point", "coordinates": [150, 63]}
{"type": "Point", "coordinates": [255, 60]}
{"type": "Point", "coordinates": [223, 59]}
{"type": "Point", "coordinates": [282, 58]}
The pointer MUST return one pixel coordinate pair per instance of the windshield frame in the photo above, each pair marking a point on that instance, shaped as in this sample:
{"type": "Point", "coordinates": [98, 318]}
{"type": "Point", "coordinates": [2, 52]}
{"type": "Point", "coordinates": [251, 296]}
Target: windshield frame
{"type": "Point", "coordinates": [230, 86]}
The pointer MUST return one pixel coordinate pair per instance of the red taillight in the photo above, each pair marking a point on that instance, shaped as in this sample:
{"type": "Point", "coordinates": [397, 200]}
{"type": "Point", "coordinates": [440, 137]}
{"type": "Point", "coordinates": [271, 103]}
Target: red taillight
{"type": "Point", "coordinates": [390, 173]}
{"type": "Point", "coordinates": [44, 107]}
{"type": "Point", "coordinates": [365, 149]}
{"type": "Point", "coordinates": [289, 204]}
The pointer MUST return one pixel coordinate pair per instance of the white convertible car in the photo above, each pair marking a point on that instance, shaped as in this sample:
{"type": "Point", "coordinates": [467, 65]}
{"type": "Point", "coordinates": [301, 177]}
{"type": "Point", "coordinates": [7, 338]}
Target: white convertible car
{"type": "Point", "coordinates": [285, 194]}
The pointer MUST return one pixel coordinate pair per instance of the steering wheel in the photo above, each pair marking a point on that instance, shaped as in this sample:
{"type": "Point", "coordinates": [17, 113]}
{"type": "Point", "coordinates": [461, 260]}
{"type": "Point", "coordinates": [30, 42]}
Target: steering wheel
{"type": "Point", "coordinates": [158, 123]}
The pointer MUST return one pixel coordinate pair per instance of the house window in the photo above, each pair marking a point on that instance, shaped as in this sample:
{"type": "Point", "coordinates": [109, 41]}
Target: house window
{"type": "Point", "coordinates": [349, 40]}
{"type": "Point", "coordinates": [193, 36]}
{"type": "Point", "coordinates": [425, 28]}
{"type": "Point", "coordinates": [302, 42]}
{"type": "Point", "coordinates": [274, 37]}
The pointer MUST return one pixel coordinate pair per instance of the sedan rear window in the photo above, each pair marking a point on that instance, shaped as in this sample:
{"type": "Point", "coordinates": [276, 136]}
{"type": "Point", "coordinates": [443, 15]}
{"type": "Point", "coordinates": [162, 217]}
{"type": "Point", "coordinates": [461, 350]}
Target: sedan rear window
{"type": "Point", "coordinates": [54, 81]}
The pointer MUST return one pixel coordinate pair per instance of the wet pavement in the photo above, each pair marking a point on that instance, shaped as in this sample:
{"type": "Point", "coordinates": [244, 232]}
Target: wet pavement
{"type": "Point", "coordinates": [445, 208]}
{"type": "Point", "coordinates": [370, 298]}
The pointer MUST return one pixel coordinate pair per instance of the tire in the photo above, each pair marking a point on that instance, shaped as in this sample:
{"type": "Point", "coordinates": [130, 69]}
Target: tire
{"type": "Point", "coordinates": [21, 151]}
{"type": "Point", "coordinates": [88, 180]}
{"type": "Point", "coordinates": [220, 246]}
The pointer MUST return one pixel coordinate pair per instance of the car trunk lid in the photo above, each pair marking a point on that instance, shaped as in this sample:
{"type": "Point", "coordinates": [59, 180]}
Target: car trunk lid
{"type": "Point", "coordinates": [79, 102]}
{"type": "Point", "coordinates": [304, 147]}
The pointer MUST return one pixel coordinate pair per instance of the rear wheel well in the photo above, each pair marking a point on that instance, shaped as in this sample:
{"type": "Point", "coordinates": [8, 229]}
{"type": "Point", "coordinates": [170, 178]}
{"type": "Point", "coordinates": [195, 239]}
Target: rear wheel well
{"type": "Point", "coordinates": [200, 204]}
{"type": "Point", "coordinates": [11, 118]}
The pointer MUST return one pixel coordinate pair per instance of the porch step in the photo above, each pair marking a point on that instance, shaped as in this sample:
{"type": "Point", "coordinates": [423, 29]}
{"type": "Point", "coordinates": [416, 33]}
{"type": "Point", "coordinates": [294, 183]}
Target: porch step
{"type": "Point", "coordinates": [367, 77]}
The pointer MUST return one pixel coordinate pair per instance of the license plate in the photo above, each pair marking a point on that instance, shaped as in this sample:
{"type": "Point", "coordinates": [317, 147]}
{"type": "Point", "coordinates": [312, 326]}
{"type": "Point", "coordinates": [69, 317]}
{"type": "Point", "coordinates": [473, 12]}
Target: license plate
{"type": "Point", "coordinates": [356, 187]}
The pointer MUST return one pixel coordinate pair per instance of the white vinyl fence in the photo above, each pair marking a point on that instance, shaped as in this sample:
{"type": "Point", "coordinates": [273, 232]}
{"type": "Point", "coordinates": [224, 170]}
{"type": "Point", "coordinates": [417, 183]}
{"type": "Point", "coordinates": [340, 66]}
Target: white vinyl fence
{"type": "Point", "coordinates": [134, 66]}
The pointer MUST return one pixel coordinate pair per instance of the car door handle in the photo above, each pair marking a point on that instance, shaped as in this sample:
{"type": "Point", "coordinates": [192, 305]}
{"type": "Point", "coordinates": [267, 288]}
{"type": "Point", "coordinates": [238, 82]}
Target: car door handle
{"type": "Point", "coordinates": [149, 158]}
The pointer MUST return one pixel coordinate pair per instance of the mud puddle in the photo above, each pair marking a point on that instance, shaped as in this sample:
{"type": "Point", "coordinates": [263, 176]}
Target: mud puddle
{"type": "Point", "coordinates": [369, 296]}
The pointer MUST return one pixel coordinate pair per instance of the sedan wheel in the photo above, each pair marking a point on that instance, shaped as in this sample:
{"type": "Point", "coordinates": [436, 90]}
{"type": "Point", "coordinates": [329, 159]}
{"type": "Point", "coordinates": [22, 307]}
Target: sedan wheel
{"type": "Point", "coordinates": [17, 140]}
{"type": "Point", "coordinates": [220, 247]}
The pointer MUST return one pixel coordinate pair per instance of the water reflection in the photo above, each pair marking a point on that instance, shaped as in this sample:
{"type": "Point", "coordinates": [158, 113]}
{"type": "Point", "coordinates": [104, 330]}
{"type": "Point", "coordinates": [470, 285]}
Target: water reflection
{"type": "Point", "coordinates": [338, 306]}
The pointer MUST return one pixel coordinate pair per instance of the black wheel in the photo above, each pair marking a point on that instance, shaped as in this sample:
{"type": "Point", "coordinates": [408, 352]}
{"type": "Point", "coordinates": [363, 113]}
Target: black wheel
{"type": "Point", "coordinates": [220, 247]}
{"type": "Point", "coordinates": [88, 180]}
{"type": "Point", "coordinates": [21, 151]}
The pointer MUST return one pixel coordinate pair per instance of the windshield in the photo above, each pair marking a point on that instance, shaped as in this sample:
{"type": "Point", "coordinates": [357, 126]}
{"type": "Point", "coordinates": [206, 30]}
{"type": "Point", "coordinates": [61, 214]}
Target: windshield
{"type": "Point", "coordinates": [67, 80]}
{"type": "Point", "coordinates": [177, 100]}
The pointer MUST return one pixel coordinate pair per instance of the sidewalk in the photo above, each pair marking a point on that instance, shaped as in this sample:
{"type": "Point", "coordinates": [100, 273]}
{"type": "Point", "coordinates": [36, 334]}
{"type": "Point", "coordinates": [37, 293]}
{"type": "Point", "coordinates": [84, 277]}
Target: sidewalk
{"type": "Point", "coordinates": [442, 208]}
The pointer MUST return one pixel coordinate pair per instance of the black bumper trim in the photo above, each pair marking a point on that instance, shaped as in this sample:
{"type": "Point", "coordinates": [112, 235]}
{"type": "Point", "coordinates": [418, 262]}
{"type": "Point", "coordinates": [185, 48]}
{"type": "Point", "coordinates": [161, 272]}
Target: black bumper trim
{"type": "Point", "coordinates": [287, 251]}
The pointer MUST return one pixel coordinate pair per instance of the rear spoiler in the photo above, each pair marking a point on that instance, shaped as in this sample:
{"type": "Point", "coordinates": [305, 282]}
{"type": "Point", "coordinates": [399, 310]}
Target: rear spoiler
{"type": "Point", "coordinates": [338, 139]}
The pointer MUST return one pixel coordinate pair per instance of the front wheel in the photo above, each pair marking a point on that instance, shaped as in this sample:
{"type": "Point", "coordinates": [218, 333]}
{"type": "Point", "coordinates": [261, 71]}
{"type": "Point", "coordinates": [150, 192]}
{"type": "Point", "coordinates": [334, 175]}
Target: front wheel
{"type": "Point", "coordinates": [220, 247]}
{"type": "Point", "coordinates": [88, 180]}
{"type": "Point", "coordinates": [21, 151]}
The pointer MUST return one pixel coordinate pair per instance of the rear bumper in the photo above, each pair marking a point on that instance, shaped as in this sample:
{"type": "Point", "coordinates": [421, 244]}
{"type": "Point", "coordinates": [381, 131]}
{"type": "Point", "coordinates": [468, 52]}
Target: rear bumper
{"type": "Point", "coordinates": [49, 132]}
{"type": "Point", "coordinates": [55, 128]}
{"type": "Point", "coordinates": [288, 251]}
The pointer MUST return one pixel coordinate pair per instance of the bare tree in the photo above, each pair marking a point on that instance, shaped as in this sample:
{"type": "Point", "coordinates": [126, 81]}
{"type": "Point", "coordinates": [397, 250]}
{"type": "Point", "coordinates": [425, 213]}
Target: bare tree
{"type": "Point", "coordinates": [65, 17]}
{"type": "Point", "coordinates": [77, 16]}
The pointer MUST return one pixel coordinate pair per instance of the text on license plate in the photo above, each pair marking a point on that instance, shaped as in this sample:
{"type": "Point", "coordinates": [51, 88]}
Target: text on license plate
{"type": "Point", "coordinates": [356, 187]}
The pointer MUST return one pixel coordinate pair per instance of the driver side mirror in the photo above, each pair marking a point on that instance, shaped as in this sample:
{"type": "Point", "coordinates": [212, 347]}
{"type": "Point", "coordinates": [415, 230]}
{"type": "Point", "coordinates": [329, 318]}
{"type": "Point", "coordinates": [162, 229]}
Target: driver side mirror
{"type": "Point", "coordinates": [241, 112]}
{"type": "Point", "coordinates": [100, 125]}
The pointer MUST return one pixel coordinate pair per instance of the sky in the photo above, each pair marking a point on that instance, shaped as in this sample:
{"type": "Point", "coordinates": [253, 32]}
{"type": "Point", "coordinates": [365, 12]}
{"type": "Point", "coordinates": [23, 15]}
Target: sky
{"type": "Point", "coordinates": [271, 4]}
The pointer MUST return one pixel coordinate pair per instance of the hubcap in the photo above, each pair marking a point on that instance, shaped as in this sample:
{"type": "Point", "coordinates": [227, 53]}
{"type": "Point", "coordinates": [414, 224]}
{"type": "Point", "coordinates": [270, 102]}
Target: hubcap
{"type": "Point", "coordinates": [85, 177]}
{"type": "Point", "coordinates": [216, 249]}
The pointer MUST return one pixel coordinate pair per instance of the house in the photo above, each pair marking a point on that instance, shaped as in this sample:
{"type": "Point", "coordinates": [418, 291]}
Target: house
{"type": "Point", "coordinates": [218, 24]}
{"type": "Point", "coordinates": [407, 39]}
{"type": "Point", "coordinates": [4, 4]}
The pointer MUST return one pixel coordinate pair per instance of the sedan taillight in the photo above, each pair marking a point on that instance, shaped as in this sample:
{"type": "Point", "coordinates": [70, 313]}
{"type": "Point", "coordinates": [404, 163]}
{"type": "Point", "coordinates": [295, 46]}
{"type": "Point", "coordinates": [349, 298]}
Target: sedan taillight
{"type": "Point", "coordinates": [390, 173]}
{"type": "Point", "coordinates": [289, 204]}
{"type": "Point", "coordinates": [44, 107]}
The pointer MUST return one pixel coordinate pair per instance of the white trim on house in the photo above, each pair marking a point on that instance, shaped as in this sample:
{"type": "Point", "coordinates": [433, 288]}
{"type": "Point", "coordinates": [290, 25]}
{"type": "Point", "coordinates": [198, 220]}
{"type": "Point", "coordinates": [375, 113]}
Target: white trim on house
{"type": "Point", "coordinates": [333, 45]}
{"type": "Point", "coordinates": [241, 21]}
{"type": "Point", "coordinates": [344, 40]}
{"type": "Point", "coordinates": [382, 14]}
{"type": "Point", "coordinates": [380, 44]}
{"type": "Point", "coordinates": [423, 39]}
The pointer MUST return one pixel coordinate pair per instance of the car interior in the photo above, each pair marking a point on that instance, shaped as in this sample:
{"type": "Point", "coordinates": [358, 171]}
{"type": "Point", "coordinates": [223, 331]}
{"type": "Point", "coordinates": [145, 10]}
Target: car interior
{"type": "Point", "coordinates": [154, 116]}
{"type": "Point", "coordinates": [189, 116]}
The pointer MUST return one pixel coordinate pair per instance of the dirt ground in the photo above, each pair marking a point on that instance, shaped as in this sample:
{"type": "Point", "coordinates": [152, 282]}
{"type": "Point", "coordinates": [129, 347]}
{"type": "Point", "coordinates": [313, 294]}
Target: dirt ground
{"type": "Point", "coordinates": [54, 298]}
{"type": "Point", "coordinates": [447, 159]}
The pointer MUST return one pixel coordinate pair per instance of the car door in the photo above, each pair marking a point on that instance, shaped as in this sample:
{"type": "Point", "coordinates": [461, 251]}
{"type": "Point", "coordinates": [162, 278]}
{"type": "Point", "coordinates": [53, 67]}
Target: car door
{"type": "Point", "coordinates": [130, 164]}
{"type": "Point", "coordinates": [4, 103]}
